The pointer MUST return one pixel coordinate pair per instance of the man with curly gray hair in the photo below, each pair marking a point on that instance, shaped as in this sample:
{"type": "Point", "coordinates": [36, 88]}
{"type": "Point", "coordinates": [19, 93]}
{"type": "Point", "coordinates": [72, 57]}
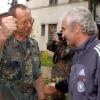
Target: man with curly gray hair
{"type": "Point", "coordinates": [80, 32]}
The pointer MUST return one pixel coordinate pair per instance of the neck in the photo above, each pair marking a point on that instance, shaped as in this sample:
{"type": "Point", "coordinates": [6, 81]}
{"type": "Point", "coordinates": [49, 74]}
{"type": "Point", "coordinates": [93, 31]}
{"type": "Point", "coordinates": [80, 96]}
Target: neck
{"type": "Point", "coordinates": [82, 39]}
{"type": "Point", "coordinates": [20, 37]}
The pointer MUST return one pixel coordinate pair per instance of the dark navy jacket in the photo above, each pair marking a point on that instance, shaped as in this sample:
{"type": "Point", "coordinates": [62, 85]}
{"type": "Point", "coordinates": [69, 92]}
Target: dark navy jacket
{"type": "Point", "coordinates": [84, 82]}
{"type": "Point", "coordinates": [62, 86]}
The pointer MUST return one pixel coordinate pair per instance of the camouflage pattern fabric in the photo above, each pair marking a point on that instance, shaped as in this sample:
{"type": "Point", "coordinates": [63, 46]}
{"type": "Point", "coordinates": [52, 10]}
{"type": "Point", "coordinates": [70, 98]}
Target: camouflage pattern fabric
{"type": "Point", "coordinates": [61, 64]}
{"type": "Point", "coordinates": [19, 68]}
{"type": "Point", "coordinates": [60, 70]}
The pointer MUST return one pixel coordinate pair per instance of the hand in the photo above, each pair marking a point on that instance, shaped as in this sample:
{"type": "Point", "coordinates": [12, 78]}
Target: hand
{"type": "Point", "coordinates": [55, 37]}
{"type": "Point", "coordinates": [50, 89]}
{"type": "Point", "coordinates": [8, 26]}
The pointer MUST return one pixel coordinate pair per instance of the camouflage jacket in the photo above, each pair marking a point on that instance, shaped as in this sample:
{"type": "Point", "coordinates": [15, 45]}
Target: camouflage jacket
{"type": "Point", "coordinates": [20, 63]}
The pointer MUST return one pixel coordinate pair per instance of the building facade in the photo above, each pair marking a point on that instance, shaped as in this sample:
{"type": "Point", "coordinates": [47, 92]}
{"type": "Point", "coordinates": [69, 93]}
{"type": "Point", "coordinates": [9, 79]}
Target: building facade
{"type": "Point", "coordinates": [46, 14]}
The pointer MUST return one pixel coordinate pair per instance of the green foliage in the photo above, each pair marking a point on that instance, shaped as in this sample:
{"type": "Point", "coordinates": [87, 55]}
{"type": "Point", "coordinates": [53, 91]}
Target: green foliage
{"type": "Point", "coordinates": [67, 97]}
{"type": "Point", "coordinates": [46, 59]}
{"type": "Point", "coordinates": [47, 81]}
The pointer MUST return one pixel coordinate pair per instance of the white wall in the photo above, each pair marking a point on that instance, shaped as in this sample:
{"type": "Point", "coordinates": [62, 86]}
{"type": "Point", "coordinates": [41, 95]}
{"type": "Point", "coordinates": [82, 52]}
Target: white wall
{"type": "Point", "coordinates": [62, 1]}
{"type": "Point", "coordinates": [48, 15]}
{"type": "Point", "coordinates": [37, 3]}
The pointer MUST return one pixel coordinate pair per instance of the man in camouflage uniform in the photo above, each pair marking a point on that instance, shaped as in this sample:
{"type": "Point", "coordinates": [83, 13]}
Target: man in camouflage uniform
{"type": "Point", "coordinates": [20, 63]}
{"type": "Point", "coordinates": [61, 62]}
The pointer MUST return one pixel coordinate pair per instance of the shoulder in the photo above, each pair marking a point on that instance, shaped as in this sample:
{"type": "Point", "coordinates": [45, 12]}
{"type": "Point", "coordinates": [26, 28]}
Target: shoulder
{"type": "Point", "coordinates": [97, 48]}
{"type": "Point", "coordinates": [10, 40]}
{"type": "Point", "coordinates": [33, 41]}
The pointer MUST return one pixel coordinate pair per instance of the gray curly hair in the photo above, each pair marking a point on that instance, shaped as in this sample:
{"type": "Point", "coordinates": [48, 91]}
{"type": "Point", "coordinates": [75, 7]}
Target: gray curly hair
{"type": "Point", "coordinates": [83, 17]}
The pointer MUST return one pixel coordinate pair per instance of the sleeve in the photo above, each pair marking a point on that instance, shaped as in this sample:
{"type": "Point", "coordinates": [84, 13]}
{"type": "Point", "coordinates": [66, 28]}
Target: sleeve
{"type": "Point", "coordinates": [93, 75]}
{"type": "Point", "coordinates": [98, 79]}
{"type": "Point", "coordinates": [62, 86]}
{"type": "Point", "coordinates": [36, 68]}
{"type": "Point", "coordinates": [36, 62]}
{"type": "Point", "coordinates": [52, 46]}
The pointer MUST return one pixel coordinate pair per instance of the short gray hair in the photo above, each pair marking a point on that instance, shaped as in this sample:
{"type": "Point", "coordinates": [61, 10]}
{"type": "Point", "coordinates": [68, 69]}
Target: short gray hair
{"type": "Point", "coordinates": [84, 17]}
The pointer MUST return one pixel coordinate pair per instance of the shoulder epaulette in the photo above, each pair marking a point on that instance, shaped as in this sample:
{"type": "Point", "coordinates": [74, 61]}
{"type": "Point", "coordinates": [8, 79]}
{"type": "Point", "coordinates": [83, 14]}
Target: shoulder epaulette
{"type": "Point", "coordinates": [33, 41]}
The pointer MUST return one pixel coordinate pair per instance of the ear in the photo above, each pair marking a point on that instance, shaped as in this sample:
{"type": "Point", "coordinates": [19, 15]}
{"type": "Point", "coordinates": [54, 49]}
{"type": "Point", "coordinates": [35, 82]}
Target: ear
{"type": "Point", "coordinates": [77, 28]}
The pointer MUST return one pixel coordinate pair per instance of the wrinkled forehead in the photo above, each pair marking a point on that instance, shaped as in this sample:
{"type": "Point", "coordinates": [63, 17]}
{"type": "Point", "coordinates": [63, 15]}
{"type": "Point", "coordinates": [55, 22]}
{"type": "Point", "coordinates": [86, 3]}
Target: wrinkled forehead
{"type": "Point", "coordinates": [65, 21]}
{"type": "Point", "coordinates": [23, 13]}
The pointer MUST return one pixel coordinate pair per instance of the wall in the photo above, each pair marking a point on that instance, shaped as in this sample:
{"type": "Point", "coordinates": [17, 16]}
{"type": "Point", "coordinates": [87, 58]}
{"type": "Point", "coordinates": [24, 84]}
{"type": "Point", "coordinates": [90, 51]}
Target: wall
{"type": "Point", "coordinates": [48, 15]}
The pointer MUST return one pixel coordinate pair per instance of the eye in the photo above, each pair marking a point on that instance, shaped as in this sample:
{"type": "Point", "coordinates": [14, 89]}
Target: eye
{"type": "Point", "coordinates": [31, 21]}
{"type": "Point", "coordinates": [63, 29]}
{"type": "Point", "coordinates": [24, 22]}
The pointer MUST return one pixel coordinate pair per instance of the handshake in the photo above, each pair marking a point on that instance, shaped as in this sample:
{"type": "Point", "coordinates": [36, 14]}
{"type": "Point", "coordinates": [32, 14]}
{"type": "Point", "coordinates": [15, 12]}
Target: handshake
{"type": "Point", "coordinates": [8, 26]}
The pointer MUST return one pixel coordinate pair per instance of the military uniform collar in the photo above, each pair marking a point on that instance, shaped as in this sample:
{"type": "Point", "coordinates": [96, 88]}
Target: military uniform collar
{"type": "Point", "coordinates": [15, 42]}
{"type": "Point", "coordinates": [30, 42]}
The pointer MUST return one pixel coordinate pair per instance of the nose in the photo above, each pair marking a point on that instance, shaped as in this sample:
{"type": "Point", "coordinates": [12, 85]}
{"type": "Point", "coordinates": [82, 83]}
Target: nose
{"type": "Point", "coordinates": [29, 24]}
{"type": "Point", "coordinates": [62, 35]}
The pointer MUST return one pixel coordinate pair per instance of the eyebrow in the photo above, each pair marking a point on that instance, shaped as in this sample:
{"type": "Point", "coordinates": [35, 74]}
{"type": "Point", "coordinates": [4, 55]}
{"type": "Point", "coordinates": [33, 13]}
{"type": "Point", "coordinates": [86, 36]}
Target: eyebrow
{"type": "Point", "coordinates": [62, 28]}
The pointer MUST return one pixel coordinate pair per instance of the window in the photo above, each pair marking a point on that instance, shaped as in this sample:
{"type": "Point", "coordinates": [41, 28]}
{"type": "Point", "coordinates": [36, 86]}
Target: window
{"type": "Point", "coordinates": [53, 2]}
{"type": "Point", "coordinates": [27, 0]}
{"type": "Point", "coordinates": [51, 30]}
{"type": "Point", "coordinates": [43, 30]}
{"type": "Point", "coordinates": [97, 16]}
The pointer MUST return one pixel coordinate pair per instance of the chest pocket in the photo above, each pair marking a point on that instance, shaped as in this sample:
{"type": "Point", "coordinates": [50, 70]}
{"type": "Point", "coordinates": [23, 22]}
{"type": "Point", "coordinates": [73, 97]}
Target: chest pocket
{"type": "Point", "coordinates": [78, 79]}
